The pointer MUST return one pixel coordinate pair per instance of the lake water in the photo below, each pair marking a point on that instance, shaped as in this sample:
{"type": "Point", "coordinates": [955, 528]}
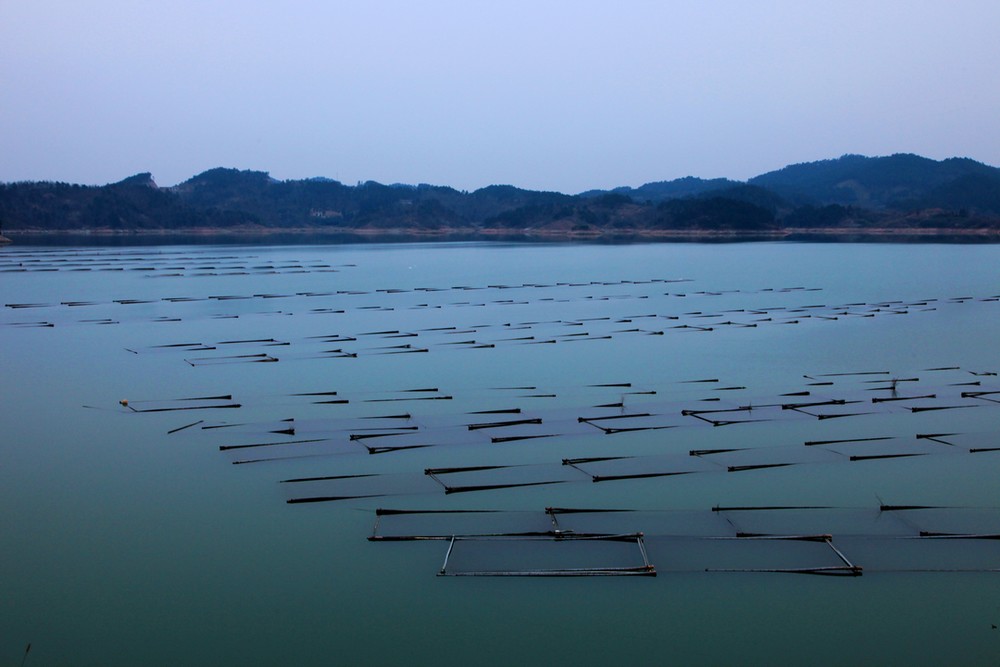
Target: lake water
{"type": "Point", "coordinates": [129, 537]}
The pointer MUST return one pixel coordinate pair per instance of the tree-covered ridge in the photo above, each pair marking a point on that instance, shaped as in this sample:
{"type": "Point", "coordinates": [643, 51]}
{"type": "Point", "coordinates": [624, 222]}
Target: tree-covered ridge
{"type": "Point", "coordinates": [902, 181]}
{"type": "Point", "coordinates": [850, 193]}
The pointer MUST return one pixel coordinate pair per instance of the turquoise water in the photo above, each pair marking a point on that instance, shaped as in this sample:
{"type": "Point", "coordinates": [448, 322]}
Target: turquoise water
{"type": "Point", "coordinates": [130, 538]}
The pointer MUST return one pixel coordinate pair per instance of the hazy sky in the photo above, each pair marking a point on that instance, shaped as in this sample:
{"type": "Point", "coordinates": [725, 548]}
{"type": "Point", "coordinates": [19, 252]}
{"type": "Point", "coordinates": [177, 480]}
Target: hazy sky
{"type": "Point", "coordinates": [545, 95]}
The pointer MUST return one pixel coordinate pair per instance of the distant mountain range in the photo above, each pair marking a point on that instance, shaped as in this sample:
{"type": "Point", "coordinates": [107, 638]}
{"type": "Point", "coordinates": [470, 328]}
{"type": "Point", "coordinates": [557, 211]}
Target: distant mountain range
{"type": "Point", "coordinates": [852, 194]}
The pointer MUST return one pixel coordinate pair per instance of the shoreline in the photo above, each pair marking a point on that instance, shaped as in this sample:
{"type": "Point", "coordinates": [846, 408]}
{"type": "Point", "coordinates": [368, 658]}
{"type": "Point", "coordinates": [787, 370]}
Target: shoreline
{"type": "Point", "coordinates": [506, 234]}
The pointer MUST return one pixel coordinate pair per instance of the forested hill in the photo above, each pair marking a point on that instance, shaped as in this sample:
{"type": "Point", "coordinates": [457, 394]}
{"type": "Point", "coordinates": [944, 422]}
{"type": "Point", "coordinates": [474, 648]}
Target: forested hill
{"type": "Point", "coordinates": [902, 182]}
{"type": "Point", "coordinates": [851, 194]}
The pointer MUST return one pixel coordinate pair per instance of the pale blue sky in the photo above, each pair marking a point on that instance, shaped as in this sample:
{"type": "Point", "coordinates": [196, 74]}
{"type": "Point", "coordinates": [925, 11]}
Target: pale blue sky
{"type": "Point", "coordinates": [545, 95]}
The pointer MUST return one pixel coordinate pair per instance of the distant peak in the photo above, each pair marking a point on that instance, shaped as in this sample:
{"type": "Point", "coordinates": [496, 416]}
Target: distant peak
{"type": "Point", "coordinates": [228, 176]}
{"type": "Point", "coordinates": [144, 179]}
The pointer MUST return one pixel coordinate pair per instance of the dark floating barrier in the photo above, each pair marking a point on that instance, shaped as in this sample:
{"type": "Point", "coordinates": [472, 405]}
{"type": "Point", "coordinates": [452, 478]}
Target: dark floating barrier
{"type": "Point", "coordinates": [326, 499]}
{"type": "Point", "coordinates": [639, 475]}
{"type": "Point", "coordinates": [883, 507]}
{"type": "Point", "coordinates": [253, 358]}
{"type": "Point", "coordinates": [810, 443]}
{"type": "Point", "coordinates": [324, 478]}
{"type": "Point", "coordinates": [401, 430]}
{"type": "Point", "coordinates": [39, 325]}
{"type": "Point", "coordinates": [758, 466]}
{"type": "Point", "coordinates": [813, 404]}
{"type": "Point", "coordinates": [186, 407]}
{"type": "Point", "coordinates": [592, 459]}
{"type": "Point", "coordinates": [493, 487]}
{"type": "Point", "coordinates": [902, 398]}
{"type": "Point", "coordinates": [872, 457]}
{"type": "Point", "coordinates": [936, 437]}
{"type": "Point", "coordinates": [636, 415]}
{"type": "Point", "coordinates": [515, 438]}
{"type": "Point", "coordinates": [186, 426]}
{"type": "Point", "coordinates": [386, 449]}
{"type": "Point", "coordinates": [984, 395]}
{"type": "Point", "coordinates": [629, 429]}
{"type": "Point", "coordinates": [766, 508]}
{"type": "Point", "coordinates": [415, 398]}
{"type": "Point", "coordinates": [504, 424]}
{"type": "Point", "coordinates": [833, 570]}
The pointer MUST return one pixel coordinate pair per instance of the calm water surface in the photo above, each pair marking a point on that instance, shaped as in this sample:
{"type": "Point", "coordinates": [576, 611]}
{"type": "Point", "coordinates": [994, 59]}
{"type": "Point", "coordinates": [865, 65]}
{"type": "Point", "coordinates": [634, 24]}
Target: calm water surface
{"type": "Point", "coordinates": [130, 538]}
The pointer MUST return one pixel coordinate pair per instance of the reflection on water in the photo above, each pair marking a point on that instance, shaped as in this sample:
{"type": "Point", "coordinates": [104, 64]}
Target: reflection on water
{"type": "Point", "coordinates": [751, 410]}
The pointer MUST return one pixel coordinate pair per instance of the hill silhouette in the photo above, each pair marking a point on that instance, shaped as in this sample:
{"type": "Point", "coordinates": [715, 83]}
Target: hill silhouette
{"type": "Point", "coordinates": [897, 181]}
{"type": "Point", "coordinates": [853, 193]}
